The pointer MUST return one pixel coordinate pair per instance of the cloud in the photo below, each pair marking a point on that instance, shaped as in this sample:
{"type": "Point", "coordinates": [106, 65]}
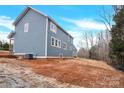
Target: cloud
{"type": "Point", "coordinates": [86, 23]}
{"type": "Point", "coordinates": [77, 37]}
{"type": "Point", "coordinates": [3, 35]}
{"type": "Point", "coordinates": [6, 22]}
{"type": "Point", "coordinates": [79, 40]}
{"type": "Point", "coordinates": [81, 26]}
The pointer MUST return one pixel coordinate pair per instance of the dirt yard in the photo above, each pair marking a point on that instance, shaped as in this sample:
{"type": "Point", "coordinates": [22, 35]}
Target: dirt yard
{"type": "Point", "coordinates": [58, 73]}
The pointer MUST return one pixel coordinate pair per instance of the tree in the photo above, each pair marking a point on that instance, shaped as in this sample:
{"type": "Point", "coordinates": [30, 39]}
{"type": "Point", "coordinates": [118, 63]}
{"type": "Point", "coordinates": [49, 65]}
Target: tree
{"type": "Point", "coordinates": [4, 45]}
{"type": "Point", "coordinates": [106, 16]}
{"type": "Point", "coordinates": [117, 41]}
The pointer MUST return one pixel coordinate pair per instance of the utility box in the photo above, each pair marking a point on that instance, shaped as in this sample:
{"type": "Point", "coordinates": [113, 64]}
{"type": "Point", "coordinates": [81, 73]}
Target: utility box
{"type": "Point", "coordinates": [29, 56]}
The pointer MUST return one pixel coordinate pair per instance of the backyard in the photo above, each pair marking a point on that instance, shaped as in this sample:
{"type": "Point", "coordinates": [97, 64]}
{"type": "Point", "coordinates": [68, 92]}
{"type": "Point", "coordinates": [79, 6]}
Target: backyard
{"type": "Point", "coordinates": [77, 72]}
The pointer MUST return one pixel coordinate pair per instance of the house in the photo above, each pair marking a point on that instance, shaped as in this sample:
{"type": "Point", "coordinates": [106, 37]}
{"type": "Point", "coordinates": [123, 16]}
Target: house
{"type": "Point", "coordinates": [38, 34]}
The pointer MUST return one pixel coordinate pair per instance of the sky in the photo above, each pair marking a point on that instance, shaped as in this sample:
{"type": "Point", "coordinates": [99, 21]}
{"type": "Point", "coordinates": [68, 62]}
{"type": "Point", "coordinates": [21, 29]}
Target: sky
{"type": "Point", "coordinates": [74, 19]}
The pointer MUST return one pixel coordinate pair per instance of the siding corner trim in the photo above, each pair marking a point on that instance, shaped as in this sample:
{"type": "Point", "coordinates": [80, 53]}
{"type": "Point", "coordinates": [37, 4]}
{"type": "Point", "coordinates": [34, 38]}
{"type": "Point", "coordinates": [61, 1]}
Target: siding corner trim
{"type": "Point", "coordinates": [46, 37]}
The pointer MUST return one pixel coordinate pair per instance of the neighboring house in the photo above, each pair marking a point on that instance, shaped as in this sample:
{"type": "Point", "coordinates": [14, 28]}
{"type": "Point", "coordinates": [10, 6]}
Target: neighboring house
{"type": "Point", "coordinates": [38, 34]}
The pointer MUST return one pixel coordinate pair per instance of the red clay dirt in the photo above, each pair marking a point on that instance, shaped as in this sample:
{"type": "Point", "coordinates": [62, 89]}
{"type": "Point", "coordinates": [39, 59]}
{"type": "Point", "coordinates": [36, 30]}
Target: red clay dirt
{"type": "Point", "coordinates": [5, 54]}
{"type": "Point", "coordinates": [81, 72]}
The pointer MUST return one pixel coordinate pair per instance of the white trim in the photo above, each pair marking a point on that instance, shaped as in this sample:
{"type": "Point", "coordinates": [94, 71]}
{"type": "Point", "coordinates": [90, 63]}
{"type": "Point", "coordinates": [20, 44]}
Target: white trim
{"type": "Point", "coordinates": [19, 54]}
{"type": "Point", "coordinates": [40, 57]}
{"type": "Point", "coordinates": [46, 37]}
{"type": "Point", "coordinates": [54, 30]}
{"type": "Point", "coordinates": [22, 54]}
{"type": "Point", "coordinates": [59, 57]}
{"type": "Point", "coordinates": [52, 57]}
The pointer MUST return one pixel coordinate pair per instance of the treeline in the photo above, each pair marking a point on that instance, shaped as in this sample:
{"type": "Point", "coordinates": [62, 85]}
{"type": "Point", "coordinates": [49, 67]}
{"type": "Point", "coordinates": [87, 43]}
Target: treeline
{"type": "Point", "coordinates": [97, 47]}
{"type": "Point", "coordinates": [4, 45]}
{"type": "Point", "coordinates": [109, 44]}
{"type": "Point", "coordinates": [117, 42]}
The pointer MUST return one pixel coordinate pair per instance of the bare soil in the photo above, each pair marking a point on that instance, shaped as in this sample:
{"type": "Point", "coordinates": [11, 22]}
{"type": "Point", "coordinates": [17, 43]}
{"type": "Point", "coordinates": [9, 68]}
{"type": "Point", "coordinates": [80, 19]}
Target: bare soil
{"type": "Point", "coordinates": [16, 75]}
{"type": "Point", "coordinates": [58, 73]}
{"type": "Point", "coordinates": [5, 54]}
{"type": "Point", "coordinates": [80, 72]}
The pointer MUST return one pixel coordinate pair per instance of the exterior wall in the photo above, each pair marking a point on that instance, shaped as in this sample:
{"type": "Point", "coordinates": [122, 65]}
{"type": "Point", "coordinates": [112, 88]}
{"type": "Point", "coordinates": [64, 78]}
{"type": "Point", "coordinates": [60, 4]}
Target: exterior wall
{"type": "Point", "coordinates": [55, 51]}
{"type": "Point", "coordinates": [32, 41]}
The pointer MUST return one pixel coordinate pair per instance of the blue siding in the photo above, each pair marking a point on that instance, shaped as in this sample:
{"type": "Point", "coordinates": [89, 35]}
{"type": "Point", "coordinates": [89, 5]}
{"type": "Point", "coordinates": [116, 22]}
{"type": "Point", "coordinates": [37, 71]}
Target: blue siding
{"type": "Point", "coordinates": [54, 51]}
{"type": "Point", "coordinates": [34, 40]}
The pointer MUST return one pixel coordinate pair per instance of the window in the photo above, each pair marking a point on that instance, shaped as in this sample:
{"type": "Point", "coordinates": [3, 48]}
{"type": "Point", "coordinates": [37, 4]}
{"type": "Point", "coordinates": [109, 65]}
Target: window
{"type": "Point", "coordinates": [55, 42]}
{"type": "Point", "coordinates": [53, 27]}
{"type": "Point", "coordinates": [64, 45]}
{"type": "Point", "coordinates": [26, 27]}
{"type": "Point", "coordinates": [59, 43]}
{"type": "Point", "coordinates": [52, 41]}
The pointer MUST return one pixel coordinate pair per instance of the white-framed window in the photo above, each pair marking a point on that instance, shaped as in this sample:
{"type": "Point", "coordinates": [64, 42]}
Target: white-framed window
{"type": "Point", "coordinates": [26, 27]}
{"type": "Point", "coordinates": [53, 27]}
{"type": "Point", "coordinates": [64, 45]}
{"type": "Point", "coordinates": [52, 41]}
{"type": "Point", "coordinates": [59, 43]}
{"type": "Point", "coordinates": [55, 42]}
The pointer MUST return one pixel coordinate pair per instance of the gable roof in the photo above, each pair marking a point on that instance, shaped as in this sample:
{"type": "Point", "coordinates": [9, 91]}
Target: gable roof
{"type": "Point", "coordinates": [39, 12]}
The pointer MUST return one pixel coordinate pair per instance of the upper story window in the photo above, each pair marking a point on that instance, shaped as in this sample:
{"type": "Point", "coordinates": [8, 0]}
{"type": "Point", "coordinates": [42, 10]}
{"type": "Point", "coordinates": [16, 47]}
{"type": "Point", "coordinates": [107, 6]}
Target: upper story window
{"type": "Point", "coordinates": [53, 27]}
{"type": "Point", "coordinates": [26, 27]}
{"type": "Point", "coordinates": [64, 45]}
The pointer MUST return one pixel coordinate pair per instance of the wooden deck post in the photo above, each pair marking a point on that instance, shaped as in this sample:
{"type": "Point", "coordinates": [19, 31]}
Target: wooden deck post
{"type": "Point", "coordinates": [10, 48]}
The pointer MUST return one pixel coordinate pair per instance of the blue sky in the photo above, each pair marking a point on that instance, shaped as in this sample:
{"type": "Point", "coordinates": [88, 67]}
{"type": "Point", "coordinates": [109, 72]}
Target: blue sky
{"type": "Point", "coordinates": [74, 19]}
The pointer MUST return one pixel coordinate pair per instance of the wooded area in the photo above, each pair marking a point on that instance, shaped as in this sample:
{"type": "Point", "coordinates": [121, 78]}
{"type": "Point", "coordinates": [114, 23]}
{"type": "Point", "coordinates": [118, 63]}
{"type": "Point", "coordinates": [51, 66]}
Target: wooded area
{"type": "Point", "coordinates": [108, 45]}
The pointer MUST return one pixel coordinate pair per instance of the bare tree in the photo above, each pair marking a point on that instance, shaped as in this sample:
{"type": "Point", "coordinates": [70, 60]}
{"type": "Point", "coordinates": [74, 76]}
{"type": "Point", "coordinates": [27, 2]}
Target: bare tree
{"type": "Point", "coordinates": [85, 35]}
{"type": "Point", "coordinates": [106, 16]}
{"type": "Point", "coordinates": [91, 39]}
